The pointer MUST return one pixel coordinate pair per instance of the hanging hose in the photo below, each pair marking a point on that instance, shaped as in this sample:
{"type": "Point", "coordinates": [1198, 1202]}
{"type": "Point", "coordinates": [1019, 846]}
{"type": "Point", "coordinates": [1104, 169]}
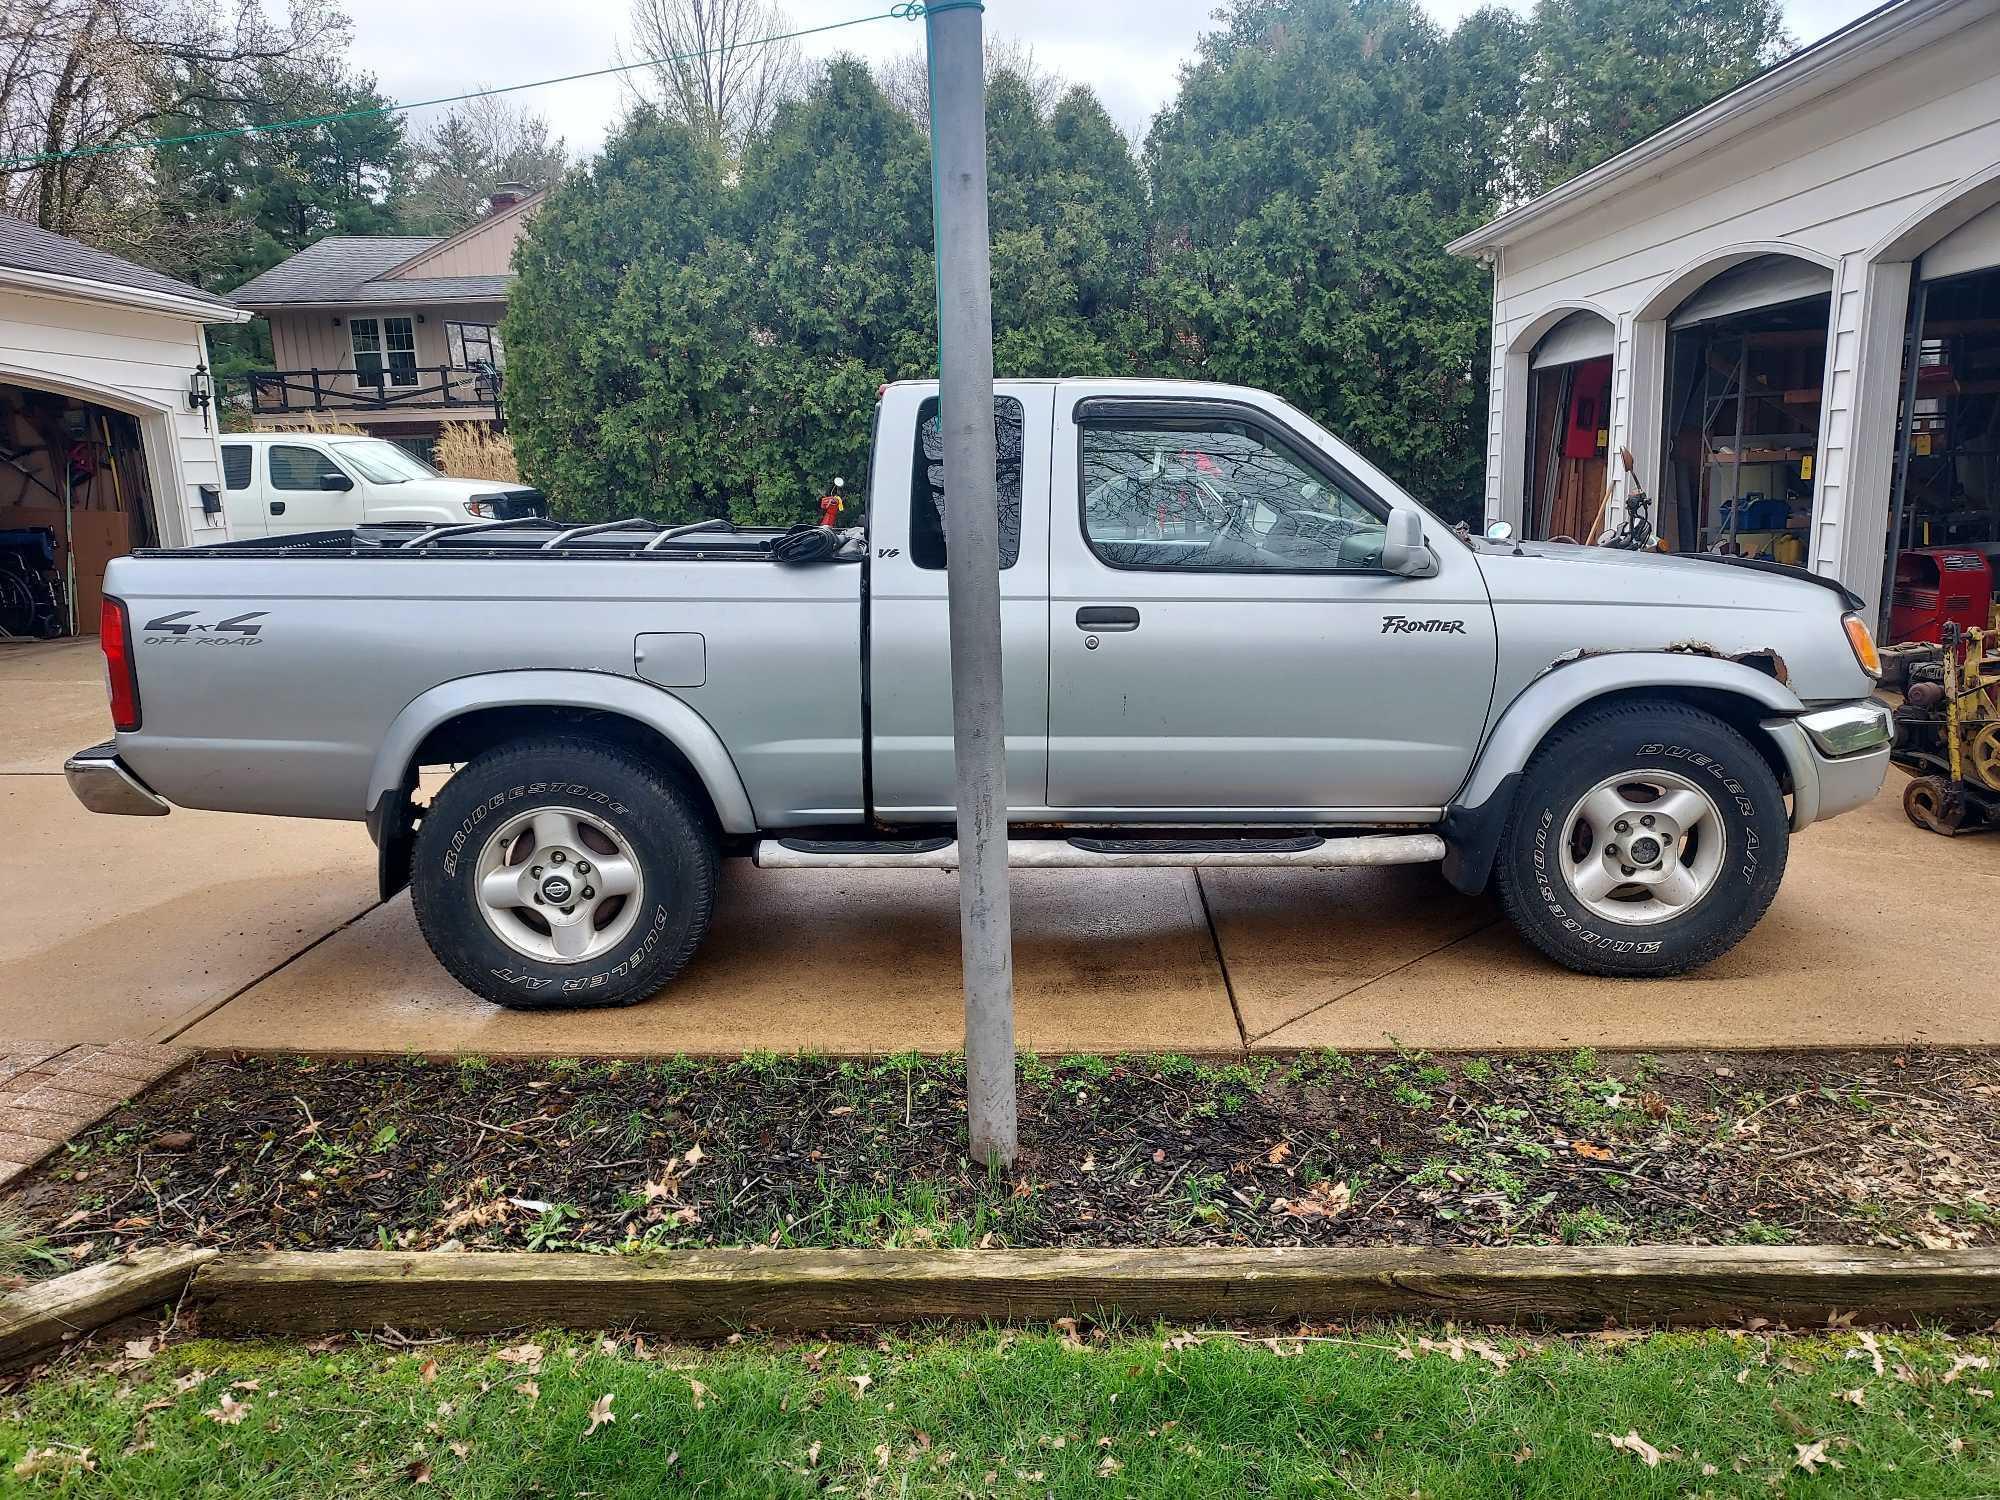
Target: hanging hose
{"type": "Point", "coordinates": [805, 544]}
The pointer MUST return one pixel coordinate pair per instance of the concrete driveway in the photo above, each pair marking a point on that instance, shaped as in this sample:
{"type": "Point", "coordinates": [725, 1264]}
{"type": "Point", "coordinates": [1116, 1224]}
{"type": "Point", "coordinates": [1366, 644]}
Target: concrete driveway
{"type": "Point", "coordinates": [263, 934]}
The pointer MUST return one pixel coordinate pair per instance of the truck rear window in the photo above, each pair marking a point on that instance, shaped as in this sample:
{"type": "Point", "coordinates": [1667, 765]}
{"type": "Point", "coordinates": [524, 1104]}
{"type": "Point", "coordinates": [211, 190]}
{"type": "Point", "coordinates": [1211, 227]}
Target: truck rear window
{"type": "Point", "coordinates": [927, 548]}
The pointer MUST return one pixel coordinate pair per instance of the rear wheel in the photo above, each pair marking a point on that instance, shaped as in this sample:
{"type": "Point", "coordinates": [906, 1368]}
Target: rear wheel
{"type": "Point", "coordinates": [563, 873]}
{"type": "Point", "coordinates": [1646, 840]}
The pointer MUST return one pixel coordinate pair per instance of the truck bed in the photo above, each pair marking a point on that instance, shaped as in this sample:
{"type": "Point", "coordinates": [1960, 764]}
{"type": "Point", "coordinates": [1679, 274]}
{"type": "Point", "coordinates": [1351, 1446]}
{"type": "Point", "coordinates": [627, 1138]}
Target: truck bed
{"type": "Point", "coordinates": [282, 667]}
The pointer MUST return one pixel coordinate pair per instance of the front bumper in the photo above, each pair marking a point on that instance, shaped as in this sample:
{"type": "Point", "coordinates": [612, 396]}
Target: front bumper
{"type": "Point", "coordinates": [1838, 757]}
{"type": "Point", "coordinates": [102, 784]}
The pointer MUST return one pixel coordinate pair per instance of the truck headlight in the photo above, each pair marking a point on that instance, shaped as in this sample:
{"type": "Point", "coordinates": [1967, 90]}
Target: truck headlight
{"type": "Point", "coordinates": [1865, 654]}
{"type": "Point", "coordinates": [480, 508]}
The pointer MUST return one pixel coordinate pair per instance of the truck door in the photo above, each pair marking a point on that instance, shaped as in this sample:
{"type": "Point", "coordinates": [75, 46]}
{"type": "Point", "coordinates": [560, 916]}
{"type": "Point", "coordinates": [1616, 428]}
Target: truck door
{"type": "Point", "coordinates": [909, 638]}
{"type": "Point", "coordinates": [1223, 641]}
{"type": "Point", "coordinates": [305, 490]}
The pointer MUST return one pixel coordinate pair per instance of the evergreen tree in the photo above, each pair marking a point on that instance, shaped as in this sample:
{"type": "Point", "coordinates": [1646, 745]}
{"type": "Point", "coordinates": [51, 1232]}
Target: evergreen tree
{"type": "Point", "coordinates": [627, 371]}
{"type": "Point", "coordinates": [1605, 74]}
{"type": "Point", "coordinates": [1306, 179]}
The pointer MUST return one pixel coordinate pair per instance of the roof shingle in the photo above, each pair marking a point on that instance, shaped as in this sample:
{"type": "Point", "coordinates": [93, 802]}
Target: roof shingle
{"type": "Point", "coordinates": [331, 269]}
{"type": "Point", "coordinates": [28, 247]}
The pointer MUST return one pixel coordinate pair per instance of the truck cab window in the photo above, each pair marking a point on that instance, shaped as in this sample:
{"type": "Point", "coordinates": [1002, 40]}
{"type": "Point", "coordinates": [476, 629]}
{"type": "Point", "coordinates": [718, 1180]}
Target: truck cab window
{"type": "Point", "coordinates": [299, 468]}
{"type": "Point", "coordinates": [927, 543]}
{"type": "Point", "coordinates": [236, 459]}
{"type": "Point", "coordinates": [1217, 496]}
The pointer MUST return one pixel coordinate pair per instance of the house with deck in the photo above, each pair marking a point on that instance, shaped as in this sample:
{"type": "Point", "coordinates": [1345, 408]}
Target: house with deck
{"type": "Point", "coordinates": [396, 334]}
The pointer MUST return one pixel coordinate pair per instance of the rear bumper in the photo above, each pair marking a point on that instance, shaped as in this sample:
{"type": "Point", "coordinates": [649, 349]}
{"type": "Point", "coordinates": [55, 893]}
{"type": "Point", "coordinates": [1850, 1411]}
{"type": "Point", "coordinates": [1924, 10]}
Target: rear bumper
{"type": "Point", "coordinates": [102, 784]}
{"type": "Point", "coordinates": [1838, 757]}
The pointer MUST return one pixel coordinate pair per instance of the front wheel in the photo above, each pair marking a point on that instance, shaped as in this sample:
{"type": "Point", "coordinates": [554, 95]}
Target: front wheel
{"type": "Point", "coordinates": [1646, 840]}
{"type": "Point", "coordinates": [561, 873]}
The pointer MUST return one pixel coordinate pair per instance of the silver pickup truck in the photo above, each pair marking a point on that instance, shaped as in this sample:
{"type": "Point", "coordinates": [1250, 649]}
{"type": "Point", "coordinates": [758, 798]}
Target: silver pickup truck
{"type": "Point", "coordinates": [1228, 640]}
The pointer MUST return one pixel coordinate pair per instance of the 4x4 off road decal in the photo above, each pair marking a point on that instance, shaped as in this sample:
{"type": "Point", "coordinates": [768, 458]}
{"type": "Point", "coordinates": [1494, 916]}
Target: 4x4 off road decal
{"type": "Point", "coordinates": [180, 627]}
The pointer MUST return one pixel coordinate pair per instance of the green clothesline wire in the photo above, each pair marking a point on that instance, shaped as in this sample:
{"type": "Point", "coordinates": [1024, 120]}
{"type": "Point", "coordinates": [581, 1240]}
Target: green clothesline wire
{"type": "Point", "coordinates": [907, 10]}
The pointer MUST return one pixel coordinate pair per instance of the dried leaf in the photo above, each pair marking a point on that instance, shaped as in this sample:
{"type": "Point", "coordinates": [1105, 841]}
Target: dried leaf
{"type": "Point", "coordinates": [531, 1390]}
{"type": "Point", "coordinates": [1325, 1199]}
{"type": "Point", "coordinates": [700, 1394]}
{"type": "Point", "coordinates": [1277, 1154]}
{"type": "Point", "coordinates": [141, 1350]}
{"type": "Point", "coordinates": [1635, 1445]}
{"type": "Point", "coordinates": [1592, 1151]}
{"type": "Point", "coordinates": [427, 1372]}
{"type": "Point", "coordinates": [1810, 1456]}
{"type": "Point", "coordinates": [228, 1412]}
{"type": "Point", "coordinates": [861, 1383]}
{"type": "Point", "coordinates": [600, 1414]}
{"type": "Point", "coordinates": [694, 1155]}
{"type": "Point", "coordinates": [812, 1454]}
{"type": "Point", "coordinates": [418, 1471]}
{"type": "Point", "coordinates": [1869, 1350]}
{"type": "Point", "coordinates": [1966, 1362]}
{"type": "Point", "coordinates": [459, 1450]}
{"type": "Point", "coordinates": [49, 1460]}
{"type": "Point", "coordinates": [1180, 1341]}
{"type": "Point", "coordinates": [1110, 1465]}
{"type": "Point", "coordinates": [527, 1355]}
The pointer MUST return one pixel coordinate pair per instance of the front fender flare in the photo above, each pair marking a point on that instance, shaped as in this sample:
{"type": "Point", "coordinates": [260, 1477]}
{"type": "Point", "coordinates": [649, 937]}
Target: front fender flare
{"type": "Point", "coordinates": [600, 692]}
{"type": "Point", "coordinates": [1472, 823]}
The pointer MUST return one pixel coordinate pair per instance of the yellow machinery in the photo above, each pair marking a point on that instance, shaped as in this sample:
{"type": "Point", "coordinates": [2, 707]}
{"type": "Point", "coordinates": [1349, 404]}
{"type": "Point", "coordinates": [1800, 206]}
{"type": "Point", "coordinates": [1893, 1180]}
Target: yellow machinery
{"type": "Point", "coordinates": [1948, 734]}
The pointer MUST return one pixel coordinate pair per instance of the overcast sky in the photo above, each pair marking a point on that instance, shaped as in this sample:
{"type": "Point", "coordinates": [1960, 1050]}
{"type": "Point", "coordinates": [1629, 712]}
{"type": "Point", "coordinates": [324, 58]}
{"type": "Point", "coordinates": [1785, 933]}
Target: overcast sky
{"type": "Point", "coordinates": [1130, 51]}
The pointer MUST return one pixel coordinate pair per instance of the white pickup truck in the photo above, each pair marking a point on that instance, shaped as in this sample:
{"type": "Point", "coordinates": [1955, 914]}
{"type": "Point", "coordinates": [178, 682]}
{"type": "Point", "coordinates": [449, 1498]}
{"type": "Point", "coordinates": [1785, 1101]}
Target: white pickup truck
{"type": "Point", "coordinates": [1228, 640]}
{"type": "Point", "coordinates": [288, 483]}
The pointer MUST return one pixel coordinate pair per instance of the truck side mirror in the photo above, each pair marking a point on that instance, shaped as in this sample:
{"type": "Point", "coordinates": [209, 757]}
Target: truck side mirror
{"type": "Point", "coordinates": [335, 482]}
{"type": "Point", "coordinates": [1403, 549]}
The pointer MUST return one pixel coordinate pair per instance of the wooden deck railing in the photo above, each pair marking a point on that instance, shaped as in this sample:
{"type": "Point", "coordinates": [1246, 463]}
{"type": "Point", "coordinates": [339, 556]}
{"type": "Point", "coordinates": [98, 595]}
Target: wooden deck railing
{"type": "Point", "coordinates": [283, 392]}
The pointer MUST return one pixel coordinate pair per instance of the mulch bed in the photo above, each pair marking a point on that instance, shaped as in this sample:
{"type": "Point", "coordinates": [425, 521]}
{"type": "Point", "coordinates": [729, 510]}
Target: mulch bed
{"type": "Point", "coordinates": [1320, 1149]}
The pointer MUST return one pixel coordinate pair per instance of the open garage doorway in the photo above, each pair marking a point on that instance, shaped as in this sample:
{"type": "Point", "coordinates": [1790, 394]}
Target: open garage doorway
{"type": "Point", "coordinates": [1947, 510]}
{"type": "Point", "coordinates": [75, 492]}
{"type": "Point", "coordinates": [1746, 366]}
{"type": "Point", "coordinates": [1569, 428]}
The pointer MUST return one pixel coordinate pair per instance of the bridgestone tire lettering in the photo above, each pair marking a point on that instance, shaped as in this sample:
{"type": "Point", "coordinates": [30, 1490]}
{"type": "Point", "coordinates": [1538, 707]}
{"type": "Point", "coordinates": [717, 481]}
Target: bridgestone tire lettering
{"type": "Point", "coordinates": [670, 837]}
{"type": "Point", "coordinates": [1640, 736]}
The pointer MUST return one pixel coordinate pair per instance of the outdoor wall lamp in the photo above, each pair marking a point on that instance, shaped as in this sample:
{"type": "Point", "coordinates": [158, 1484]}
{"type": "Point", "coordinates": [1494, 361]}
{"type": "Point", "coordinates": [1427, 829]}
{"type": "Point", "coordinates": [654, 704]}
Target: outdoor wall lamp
{"type": "Point", "coordinates": [201, 390]}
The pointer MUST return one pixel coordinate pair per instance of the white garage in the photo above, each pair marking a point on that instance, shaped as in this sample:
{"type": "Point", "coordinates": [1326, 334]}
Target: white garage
{"type": "Point", "coordinates": [1748, 299]}
{"type": "Point", "coordinates": [107, 423]}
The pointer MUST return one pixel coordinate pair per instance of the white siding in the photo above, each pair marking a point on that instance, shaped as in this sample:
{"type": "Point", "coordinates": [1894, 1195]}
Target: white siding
{"type": "Point", "coordinates": [139, 362]}
{"type": "Point", "coordinates": [1826, 181]}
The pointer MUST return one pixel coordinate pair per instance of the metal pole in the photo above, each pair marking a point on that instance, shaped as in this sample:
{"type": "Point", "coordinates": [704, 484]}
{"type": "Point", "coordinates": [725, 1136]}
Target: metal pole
{"type": "Point", "coordinates": [972, 567]}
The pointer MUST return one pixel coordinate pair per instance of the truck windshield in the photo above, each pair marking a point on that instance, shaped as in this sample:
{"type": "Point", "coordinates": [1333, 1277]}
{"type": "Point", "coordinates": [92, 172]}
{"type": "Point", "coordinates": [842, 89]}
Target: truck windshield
{"type": "Point", "coordinates": [382, 462]}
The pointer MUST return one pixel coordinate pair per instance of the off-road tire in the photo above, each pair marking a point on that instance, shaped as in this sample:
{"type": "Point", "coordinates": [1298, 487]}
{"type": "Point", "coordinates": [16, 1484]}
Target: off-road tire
{"type": "Point", "coordinates": [1668, 737]}
{"type": "Point", "coordinates": [667, 832]}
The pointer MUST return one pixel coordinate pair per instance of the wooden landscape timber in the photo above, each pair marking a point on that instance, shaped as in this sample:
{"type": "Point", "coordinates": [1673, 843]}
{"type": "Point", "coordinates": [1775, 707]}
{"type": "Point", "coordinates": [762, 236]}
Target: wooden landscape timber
{"type": "Point", "coordinates": [43, 1316]}
{"type": "Point", "coordinates": [709, 1293]}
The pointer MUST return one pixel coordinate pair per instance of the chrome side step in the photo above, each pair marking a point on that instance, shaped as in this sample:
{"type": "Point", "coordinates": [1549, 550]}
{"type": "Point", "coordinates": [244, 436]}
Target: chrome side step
{"type": "Point", "coordinates": [1305, 852]}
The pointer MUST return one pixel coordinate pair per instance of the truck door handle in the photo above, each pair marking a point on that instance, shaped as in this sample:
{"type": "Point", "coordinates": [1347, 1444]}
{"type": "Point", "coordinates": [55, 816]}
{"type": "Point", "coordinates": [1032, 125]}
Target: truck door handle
{"type": "Point", "coordinates": [1107, 617]}
{"type": "Point", "coordinates": [277, 507]}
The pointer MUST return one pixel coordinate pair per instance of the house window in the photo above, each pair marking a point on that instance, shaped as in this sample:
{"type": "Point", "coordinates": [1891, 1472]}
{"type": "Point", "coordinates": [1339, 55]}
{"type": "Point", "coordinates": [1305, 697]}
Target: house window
{"type": "Point", "coordinates": [384, 345]}
{"type": "Point", "coordinates": [475, 344]}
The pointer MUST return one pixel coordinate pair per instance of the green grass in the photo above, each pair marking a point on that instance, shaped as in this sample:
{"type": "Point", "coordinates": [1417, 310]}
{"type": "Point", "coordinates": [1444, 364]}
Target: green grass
{"type": "Point", "coordinates": [1374, 1414]}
